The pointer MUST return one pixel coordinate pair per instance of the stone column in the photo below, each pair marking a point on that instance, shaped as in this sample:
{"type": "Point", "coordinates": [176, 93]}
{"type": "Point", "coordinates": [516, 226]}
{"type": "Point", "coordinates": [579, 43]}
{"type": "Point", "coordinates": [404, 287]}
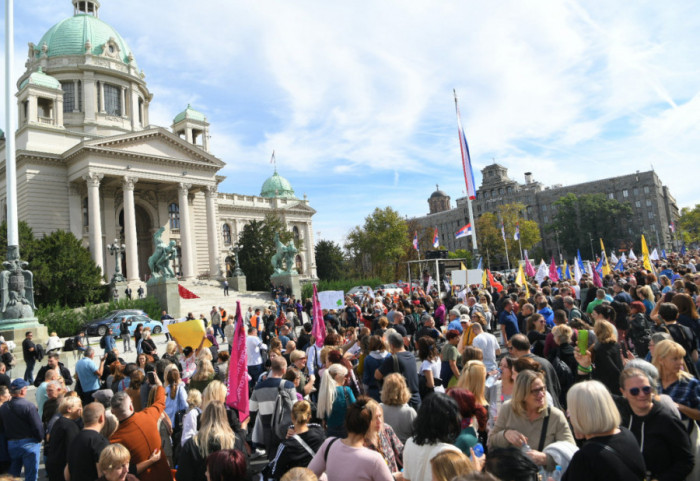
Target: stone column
{"type": "Point", "coordinates": [185, 231]}
{"type": "Point", "coordinates": [95, 218]}
{"type": "Point", "coordinates": [76, 94]}
{"type": "Point", "coordinates": [212, 230]}
{"type": "Point", "coordinates": [123, 101]}
{"type": "Point", "coordinates": [130, 241]}
{"type": "Point", "coordinates": [102, 97]}
{"type": "Point", "coordinates": [310, 256]}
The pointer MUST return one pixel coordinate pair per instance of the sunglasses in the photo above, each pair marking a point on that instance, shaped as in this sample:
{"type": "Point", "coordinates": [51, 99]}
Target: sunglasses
{"type": "Point", "coordinates": [634, 391]}
{"type": "Point", "coordinates": [539, 390]}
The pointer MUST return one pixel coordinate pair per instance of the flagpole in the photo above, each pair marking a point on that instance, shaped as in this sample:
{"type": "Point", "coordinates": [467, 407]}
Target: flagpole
{"type": "Point", "coordinates": [507, 258]}
{"type": "Point", "coordinates": [469, 200]}
{"type": "Point", "coordinates": [520, 245]}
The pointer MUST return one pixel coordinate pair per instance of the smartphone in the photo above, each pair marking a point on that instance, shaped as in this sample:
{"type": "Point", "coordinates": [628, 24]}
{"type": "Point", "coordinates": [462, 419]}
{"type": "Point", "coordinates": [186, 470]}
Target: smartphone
{"type": "Point", "coordinates": [582, 341]}
{"type": "Point", "coordinates": [151, 377]}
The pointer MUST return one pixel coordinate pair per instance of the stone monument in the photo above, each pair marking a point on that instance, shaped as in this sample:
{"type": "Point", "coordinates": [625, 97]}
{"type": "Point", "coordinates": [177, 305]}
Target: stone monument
{"type": "Point", "coordinates": [163, 284]}
{"type": "Point", "coordinates": [118, 283]}
{"type": "Point", "coordinates": [237, 281]}
{"type": "Point", "coordinates": [284, 271]}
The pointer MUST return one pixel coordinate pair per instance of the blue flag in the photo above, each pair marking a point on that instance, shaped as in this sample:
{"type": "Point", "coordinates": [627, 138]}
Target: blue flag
{"type": "Point", "coordinates": [580, 261]}
{"type": "Point", "coordinates": [561, 275]}
{"type": "Point", "coordinates": [619, 266]}
{"type": "Point", "coordinates": [599, 268]}
{"type": "Point", "coordinates": [480, 261]}
{"type": "Point", "coordinates": [683, 249]}
{"type": "Point", "coordinates": [663, 253]}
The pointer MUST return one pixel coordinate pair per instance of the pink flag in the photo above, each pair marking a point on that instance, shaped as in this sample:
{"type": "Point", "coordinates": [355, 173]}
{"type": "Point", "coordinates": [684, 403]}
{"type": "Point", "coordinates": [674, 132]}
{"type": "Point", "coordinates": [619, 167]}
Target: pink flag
{"type": "Point", "coordinates": [319, 329]}
{"type": "Point", "coordinates": [237, 396]}
{"type": "Point", "coordinates": [553, 274]}
{"type": "Point", "coordinates": [596, 279]}
{"type": "Point", "coordinates": [529, 269]}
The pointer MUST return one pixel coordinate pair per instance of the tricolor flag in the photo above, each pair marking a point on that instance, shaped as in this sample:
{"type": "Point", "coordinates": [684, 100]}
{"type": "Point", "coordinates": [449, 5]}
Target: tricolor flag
{"type": "Point", "coordinates": [672, 226]}
{"type": "Point", "coordinates": [466, 159]}
{"type": "Point", "coordinates": [516, 236]}
{"type": "Point", "coordinates": [237, 394]}
{"type": "Point", "coordinates": [436, 239]}
{"type": "Point", "coordinates": [415, 240]}
{"type": "Point", "coordinates": [464, 231]}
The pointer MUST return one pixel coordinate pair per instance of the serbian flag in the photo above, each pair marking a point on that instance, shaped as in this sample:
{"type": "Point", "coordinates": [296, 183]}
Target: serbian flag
{"type": "Point", "coordinates": [436, 239]}
{"type": "Point", "coordinates": [672, 226]}
{"type": "Point", "coordinates": [553, 273]}
{"type": "Point", "coordinates": [319, 329]}
{"type": "Point", "coordinates": [466, 159]}
{"type": "Point", "coordinates": [497, 285]}
{"type": "Point", "coordinates": [464, 231]}
{"type": "Point", "coordinates": [415, 240]}
{"type": "Point", "coordinates": [529, 269]}
{"type": "Point", "coordinates": [237, 395]}
{"type": "Point", "coordinates": [516, 236]}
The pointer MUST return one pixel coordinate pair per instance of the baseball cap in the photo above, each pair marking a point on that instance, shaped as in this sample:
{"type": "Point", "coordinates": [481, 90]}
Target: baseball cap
{"type": "Point", "coordinates": [18, 384]}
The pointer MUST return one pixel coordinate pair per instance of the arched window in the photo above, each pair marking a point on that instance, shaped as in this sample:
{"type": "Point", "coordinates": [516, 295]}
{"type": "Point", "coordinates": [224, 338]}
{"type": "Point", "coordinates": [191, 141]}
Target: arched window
{"type": "Point", "coordinates": [174, 215]}
{"type": "Point", "coordinates": [227, 234]}
{"type": "Point", "coordinates": [295, 233]}
{"type": "Point", "coordinates": [299, 264]}
{"type": "Point", "coordinates": [86, 216]}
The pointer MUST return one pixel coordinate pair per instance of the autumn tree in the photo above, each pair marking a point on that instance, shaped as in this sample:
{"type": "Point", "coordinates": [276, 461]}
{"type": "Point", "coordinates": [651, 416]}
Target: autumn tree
{"type": "Point", "coordinates": [490, 237]}
{"type": "Point", "coordinates": [689, 224]}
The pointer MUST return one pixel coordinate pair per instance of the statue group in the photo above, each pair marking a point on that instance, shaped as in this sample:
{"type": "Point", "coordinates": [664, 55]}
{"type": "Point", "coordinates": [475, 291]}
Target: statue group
{"type": "Point", "coordinates": [16, 288]}
{"type": "Point", "coordinates": [159, 262]}
{"type": "Point", "coordinates": [283, 260]}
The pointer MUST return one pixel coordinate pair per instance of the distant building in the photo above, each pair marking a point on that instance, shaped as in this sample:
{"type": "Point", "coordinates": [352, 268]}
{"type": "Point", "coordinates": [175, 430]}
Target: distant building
{"type": "Point", "coordinates": [653, 206]}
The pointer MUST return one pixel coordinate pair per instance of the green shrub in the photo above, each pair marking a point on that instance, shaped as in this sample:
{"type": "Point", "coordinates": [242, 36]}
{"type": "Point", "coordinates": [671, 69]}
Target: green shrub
{"type": "Point", "coordinates": [341, 285]}
{"type": "Point", "coordinates": [66, 321]}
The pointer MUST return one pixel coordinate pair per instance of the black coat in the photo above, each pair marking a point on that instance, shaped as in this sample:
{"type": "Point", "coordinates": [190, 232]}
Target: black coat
{"type": "Point", "coordinates": [65, 374]}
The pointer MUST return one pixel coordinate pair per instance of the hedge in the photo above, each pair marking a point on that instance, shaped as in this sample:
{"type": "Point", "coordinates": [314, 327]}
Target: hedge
{"type": "Point", "coordinates": [66, 321]}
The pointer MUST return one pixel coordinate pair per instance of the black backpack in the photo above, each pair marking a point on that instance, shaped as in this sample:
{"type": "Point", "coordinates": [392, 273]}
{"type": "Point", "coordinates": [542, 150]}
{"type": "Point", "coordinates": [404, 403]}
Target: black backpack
{"type": "Point", "coordinates": [39, 352]}
{"type": "Point", "coordinates": [69, 345]}
{"type": "Point", "coordinates": [282, 413]}
{"type": "Point", "coordinates": [103, 343]}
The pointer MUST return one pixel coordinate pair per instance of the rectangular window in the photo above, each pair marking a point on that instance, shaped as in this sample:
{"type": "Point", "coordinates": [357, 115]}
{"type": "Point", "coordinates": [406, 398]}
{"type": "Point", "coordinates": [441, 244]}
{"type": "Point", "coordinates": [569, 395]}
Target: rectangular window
{"type": "Point", "coordinates": [611, 195]}
{"type": "Point", "coordinates": [113, 100]}
{"type": "Point", "coordinates": [651, 214]}
{"type": "Point", "coordinates": [646, 189]}
{"type": "Point", "coordinates": [637, 204]}
{"type": "Point", "coordinates": [653, 227]}
{"type": "Point", "coordinates": [625, 193]}
{"type": "Point", "coordinates": [636, 191]}
{"type": "Point", "coordinates": [544, 207]}
{"type": "Point", "coordinates": [68, 96]}
{"type": "Point", "coordinates": [648, 202]}
{"type": "Point", "coordinates": [546, 219]}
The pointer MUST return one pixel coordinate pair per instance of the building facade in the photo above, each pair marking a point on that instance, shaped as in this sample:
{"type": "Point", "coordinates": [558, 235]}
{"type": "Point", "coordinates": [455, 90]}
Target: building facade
{"type": "Point", "coordinates": [89, 162]}
{"type": "Point", "coordinates": [653, 206]}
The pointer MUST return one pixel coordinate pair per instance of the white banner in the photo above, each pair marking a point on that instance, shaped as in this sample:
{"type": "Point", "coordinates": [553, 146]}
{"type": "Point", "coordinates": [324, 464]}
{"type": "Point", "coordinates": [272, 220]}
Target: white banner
{"type": "Point", "coordinates": [331, 299]}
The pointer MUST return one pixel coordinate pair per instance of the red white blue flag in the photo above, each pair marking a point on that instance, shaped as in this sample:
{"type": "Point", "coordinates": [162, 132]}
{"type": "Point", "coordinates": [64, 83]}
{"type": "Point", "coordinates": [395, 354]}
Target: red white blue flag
{"type": "Point", "coordinates": [436, 239]}
{"type": "Point", "coordinates": [516, 236]}
{"type": "Point", "coordinates": [466, 159]}
{"type": "Point", "coordinates": [464, 231]}
{"type": "Point", "coordinates": [415, 240]}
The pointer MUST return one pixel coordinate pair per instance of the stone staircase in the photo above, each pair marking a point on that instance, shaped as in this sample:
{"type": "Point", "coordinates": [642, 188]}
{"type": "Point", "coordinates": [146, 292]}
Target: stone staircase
{"type": "Point", "coordinates": [211, 293]}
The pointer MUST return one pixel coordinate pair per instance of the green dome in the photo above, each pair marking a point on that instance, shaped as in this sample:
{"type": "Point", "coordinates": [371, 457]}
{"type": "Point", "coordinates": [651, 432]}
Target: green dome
{"type": "Point", "coordinates": [41, 79]}
{"type": "Point", "coordinates": [68, 37]}
{"type": "Point", "coordinates": [189, 113]}
{"type": "Point", "coordinates": [277, 186]}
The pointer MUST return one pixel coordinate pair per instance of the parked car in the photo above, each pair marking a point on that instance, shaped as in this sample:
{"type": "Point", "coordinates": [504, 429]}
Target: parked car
{"type": "Point", "coordinates": [98, 327]}
{"type": "Point", "coordinates": [405, 286]}
{"type": "Point", "coordinates": [135, 320]}
{"type": "Point", "coordinates": [391, 289]}
{"type": "Point", "coordinates": [358, 291]}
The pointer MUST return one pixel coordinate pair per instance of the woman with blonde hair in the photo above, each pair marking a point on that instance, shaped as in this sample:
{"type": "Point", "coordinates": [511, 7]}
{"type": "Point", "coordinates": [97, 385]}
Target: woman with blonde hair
{"type": "Point", "coordinates": [473, 378]}
{"type": "Point", "coordinates": [215, 434]}
{"type": "Point", "coordinates": [333, 400]}
{"type": "Point", "coordinates": [381, 438]}
{"type": "Point", "coordinates": [524, 419]}
{"type": "Point", "coordinates": [449, 464]}
{"type": "Point", "coordinates": [610, 452]}
{"type": "Point", "coordinates": [147, 345]}
{"type": "Point", "coordinates": [203, 375]}
{"type": "Point", "coordinates": [397, 413]}
{"type": "Point", "coordinates": [189, 422]}
{"type": "Point", "coordinates": [216, 391]}
{"type": "Point", "coordinates": [114, 464]}
{"type": "Point", "coordinates": [675, 381]}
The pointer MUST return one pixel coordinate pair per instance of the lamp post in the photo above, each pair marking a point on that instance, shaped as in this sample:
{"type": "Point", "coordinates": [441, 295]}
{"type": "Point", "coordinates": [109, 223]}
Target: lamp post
{"type": "Point", "coordinates": [237, 271]}
{"type": "Point", "coordinates": [116, 250]}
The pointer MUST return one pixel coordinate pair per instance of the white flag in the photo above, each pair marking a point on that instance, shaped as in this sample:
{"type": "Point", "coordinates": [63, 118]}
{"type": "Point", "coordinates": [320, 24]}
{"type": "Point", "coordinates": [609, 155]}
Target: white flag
{"type": "Point", "coordinates": [577, 272]}
{"type": "Point", "coordinates": [589, 269]}
{"type": "Point", "coordinates": [654, 256]}
{"type": "Point", "coordinates": [632, 256]}
{"type": "Point", "coordinates": [542, 272]}
{"type": "Point", "coordinates": [624, 258]}
{"type": "Point", "coordinates": [613, 258]}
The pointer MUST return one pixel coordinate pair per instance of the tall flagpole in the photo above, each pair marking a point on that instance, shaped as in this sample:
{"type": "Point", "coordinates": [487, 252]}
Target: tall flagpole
{"type": "Point", "coordinates": [465, 158]}
{"type": "Point", "coordinates": [503, 234]}
{"type": "Point", "coordinates": [10, 161]}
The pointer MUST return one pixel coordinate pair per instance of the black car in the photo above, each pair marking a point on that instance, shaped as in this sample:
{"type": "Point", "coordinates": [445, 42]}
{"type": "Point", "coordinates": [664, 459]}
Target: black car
{"type": "Point", "coordinates": [98, 327]}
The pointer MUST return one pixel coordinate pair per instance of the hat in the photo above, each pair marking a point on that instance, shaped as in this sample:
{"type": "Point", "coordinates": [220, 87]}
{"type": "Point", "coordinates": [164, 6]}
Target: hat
{"type": "Point", "coordinates": [103, 396]}
{"type": "Point", "coordinates": [18, 384]}
{"type": "Point", "coordinates": [464, 318]}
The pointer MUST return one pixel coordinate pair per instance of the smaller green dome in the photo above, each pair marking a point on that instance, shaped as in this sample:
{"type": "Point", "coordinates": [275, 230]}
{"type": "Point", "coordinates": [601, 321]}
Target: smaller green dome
{"type": "Point", "coordinates": [189, 113]}
{"type": "Point", "coordinates": [277, 186]}
{"type": "Point", "coordinates": [42, 80]}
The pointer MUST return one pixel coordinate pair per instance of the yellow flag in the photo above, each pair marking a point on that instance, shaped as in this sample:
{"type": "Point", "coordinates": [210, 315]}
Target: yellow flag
{"type": "Point", "coordinates": [606, 266]}
{"type": "Point", "coordinates": [483, 277]}
{"type": "Point", "coordinates": [189, 333]}
{"type": "Point", "coordinates": [521, 280]}
{"type": "Point", "coordinates": [462, 267]}
{"type": "Point", "coordinates": [645, 255]}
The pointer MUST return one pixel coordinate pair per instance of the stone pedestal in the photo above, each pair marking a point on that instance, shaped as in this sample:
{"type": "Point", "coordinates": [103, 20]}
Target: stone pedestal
{"type": "Point", "coordinates": [167, 294]}
{"type": "Point", "coordinates": [237, 283]}
{"type": "Point", "coordinates": [290, 282]}
{"type": "Point", "coordinates": [120, 287]}
{"type": "Point", "coordinates": [16, 329]}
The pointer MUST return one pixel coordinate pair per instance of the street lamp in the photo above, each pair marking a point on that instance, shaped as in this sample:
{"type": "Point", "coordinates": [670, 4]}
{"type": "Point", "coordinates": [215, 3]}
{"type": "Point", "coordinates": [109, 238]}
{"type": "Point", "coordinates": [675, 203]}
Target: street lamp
{"type": "Point", "coordinates": [116, 250]}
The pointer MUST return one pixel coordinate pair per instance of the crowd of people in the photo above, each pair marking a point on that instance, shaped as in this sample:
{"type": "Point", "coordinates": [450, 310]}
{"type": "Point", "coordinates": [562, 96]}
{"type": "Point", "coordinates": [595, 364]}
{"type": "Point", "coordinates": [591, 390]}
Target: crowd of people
{"type": "Point", "coordinates": [560, 380]}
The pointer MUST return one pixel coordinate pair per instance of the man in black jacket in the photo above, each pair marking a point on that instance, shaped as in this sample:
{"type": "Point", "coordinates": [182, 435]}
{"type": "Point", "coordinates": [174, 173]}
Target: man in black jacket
{"type": "Point", "coordinates": [53, 363]}
{"type": "Point", "coordinates": [19, 420]}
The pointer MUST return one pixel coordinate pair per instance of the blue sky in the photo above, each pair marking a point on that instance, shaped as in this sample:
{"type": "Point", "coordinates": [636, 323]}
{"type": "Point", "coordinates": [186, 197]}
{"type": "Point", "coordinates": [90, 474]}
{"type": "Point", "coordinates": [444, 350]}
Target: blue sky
{"type": "Point", "coordinates": [356, 97]}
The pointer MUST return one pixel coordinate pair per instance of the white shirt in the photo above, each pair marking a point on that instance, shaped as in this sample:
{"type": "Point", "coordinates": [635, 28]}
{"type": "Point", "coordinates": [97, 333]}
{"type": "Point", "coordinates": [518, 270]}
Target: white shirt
{"type": "Point", "coordinates": [435, 365]}
{"type": "Point", "coordinates": [416, 459]}
{"type": "Point", "coordinates": [253, 346]}
{"type": "Point", "coordinates": [488, 344]}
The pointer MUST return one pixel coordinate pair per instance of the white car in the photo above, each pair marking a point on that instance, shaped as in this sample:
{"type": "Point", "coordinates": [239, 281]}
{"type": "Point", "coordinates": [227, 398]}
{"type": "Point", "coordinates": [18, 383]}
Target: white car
{"type": "Point", "coordinates": [391, 289]}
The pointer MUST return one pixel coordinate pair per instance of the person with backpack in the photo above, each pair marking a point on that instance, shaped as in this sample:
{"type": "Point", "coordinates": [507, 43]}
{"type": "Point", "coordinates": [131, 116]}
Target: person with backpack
{"type": "Point", "coordinates": [107, 342]}
{"type": "Point", "coordinates": [639, 331]}
{"type": "Point", "coordinates": [298, 449]}
{"type": "Point", "coordinates": [668, 313]}
{"type": "Point", "coordinates": [263, 401]}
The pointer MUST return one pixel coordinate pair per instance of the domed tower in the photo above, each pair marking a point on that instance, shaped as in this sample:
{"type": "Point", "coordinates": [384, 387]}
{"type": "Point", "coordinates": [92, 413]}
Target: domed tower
{"type": "Point", "coordinates": [277, 186]}
{"type": "Point", "coordinates": [438, 201]}
{"type": "Point", "coordinates": [101, 90]}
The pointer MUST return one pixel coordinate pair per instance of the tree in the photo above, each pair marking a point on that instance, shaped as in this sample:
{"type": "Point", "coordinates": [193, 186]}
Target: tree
{"type": "Point", "coordinates": [594, 215]}
{"type": "Point", "coordinates": [689, 224]}
{"type": "Point", "coordinates": [329, 260]}
{"type": "Point", "coordinates": [257, 248]}
{"type": "Point", "coordinates": [64, 271]}
{"type": "Point", "coordinates": [27, 242]}
{"type": "Point", "coordinates": [376, 247]}
{"type": "Point", "coordinates": [462, 254]}
{"type": "Point", "coordinates": [490, 237]}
